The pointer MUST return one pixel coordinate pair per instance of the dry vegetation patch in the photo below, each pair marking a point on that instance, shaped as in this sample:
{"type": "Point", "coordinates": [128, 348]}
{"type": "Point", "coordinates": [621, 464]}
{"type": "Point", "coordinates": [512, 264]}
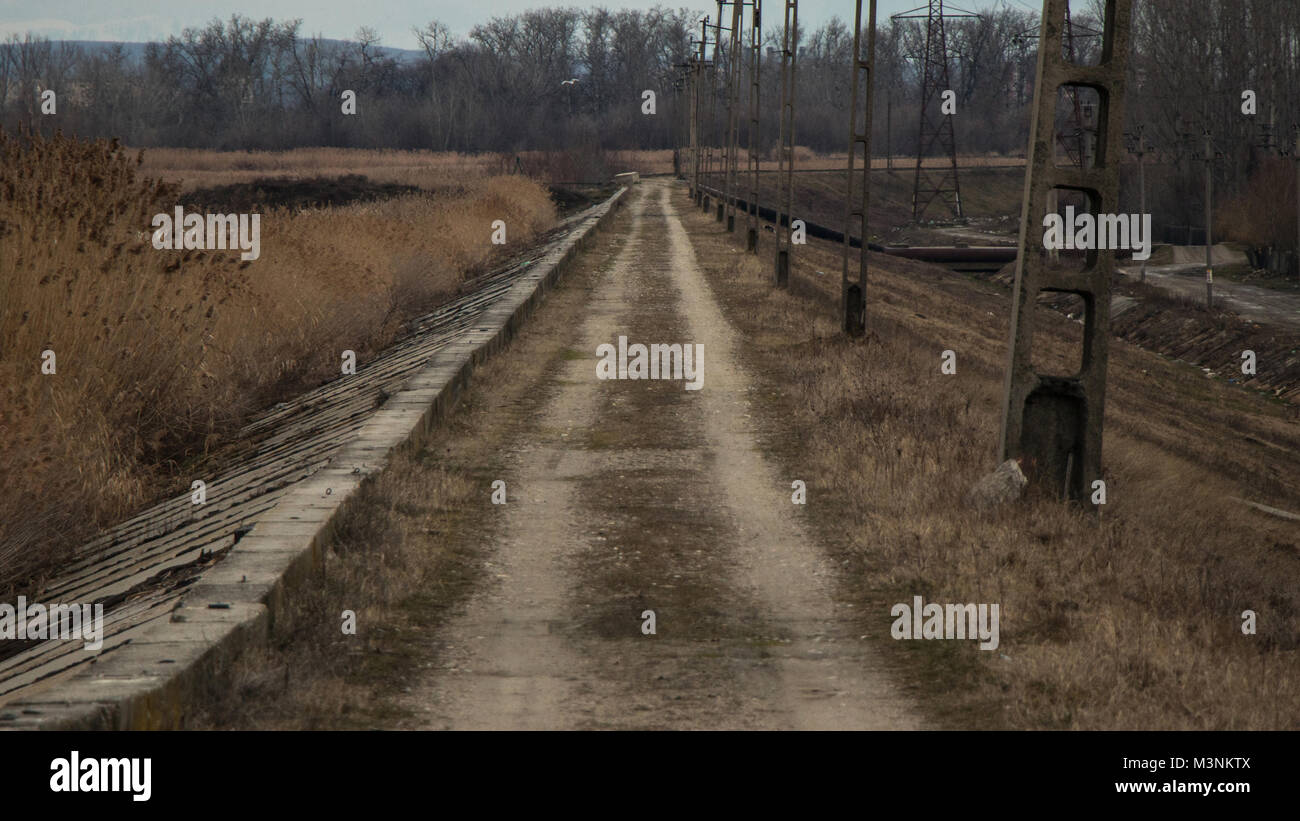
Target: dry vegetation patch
{"type": "Point", "coordinates": [1129, 620]}
{"type": "Point", "coordinates": [432, 171]}
{"type": "Point", "coordinates": [409, 551]}
{"type": "Point", "coordinates": [160, 354]}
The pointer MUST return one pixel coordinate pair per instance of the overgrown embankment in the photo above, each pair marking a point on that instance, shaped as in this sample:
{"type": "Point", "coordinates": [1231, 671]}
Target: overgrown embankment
{"type": "Point", "coordinates": [1131, 619]}
{"type": "Point", "coordinates": [121, 364]}
{"type": "Point", "coordinates": [1181, 329]}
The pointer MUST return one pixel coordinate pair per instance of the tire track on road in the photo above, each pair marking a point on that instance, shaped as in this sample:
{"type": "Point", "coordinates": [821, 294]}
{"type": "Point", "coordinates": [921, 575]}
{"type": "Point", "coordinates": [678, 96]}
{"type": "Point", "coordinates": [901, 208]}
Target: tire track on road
{"type": "Point", "coordinates": [635, 495]}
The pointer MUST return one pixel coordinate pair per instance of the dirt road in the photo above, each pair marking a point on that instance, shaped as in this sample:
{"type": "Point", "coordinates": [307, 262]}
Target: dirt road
{"type": "Point", "coordinates": [1263, 305]}
{"type": "Point", "coordinates": [627, 496]}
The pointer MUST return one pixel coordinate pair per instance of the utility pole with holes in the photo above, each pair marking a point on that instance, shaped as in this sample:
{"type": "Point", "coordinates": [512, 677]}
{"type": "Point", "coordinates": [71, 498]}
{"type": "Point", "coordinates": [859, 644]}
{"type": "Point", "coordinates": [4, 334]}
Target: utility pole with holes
{"type": "Point", "coordinates": [1073, 138]}
{"type": "Point", "coordinates": [696, 102]}
{"type": "Point", "coordinates": [853, 296]}
{"type": "Point", "coordinates": [734, 63]}
{"type": "Point", "coordinates": [689, 170]}
{"type": "Point", "coordinates": [680, 124]}
{"type": "Point", "coordinates": [785, 144]}
{"type": "Point", "coordinates": [1052, 425]}
{"type": "Point", "coordinates": [713, 105]}
{"type": "Point", "coordinates": [717, 145]}
{"type": "Point", "coordinates": [755, 63]}
{"type": "Point", "coordinates": [684, 100]}
{"type": "Point", "coordinates": [1076, 149]}
{"type": "Point", "coordinates": [715, 128]}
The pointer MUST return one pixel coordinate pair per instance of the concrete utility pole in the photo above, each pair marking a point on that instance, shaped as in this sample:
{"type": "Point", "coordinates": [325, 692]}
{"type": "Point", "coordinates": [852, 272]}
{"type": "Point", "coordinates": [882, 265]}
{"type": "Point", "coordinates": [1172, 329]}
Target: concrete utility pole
{"type": "Point", "coordinates": [682, 121]}
{"type": "Point", "coordinates": [692, 146]}
{"type": "Point", "coordinates": [733, 110]}
{"type": "Point", "coordinates": [688, 115]}
{"type": "Point", "coordinates": [1053, 424]}
{"type": "Point", "coordinates": [1073, 137]}
{"type": "Point", "coordinates": [716, 129]}
{"type": "Point", "coordinates": [785, 144]}
{"type": "Point", "coordinates": [713, 116]}
{"type": "Point", "coordinates": [1142, 189]}
{"type": "Point", "coordinates": [695, 111]}
{"type": "Point", "coordinates": [1209, 216]}
{"type": "Point", "coordinates": [1296, 156]}
{"type": "Point", "coordinates": [853, 297]}
{"type": "Point", "coordinates": [755, 63]}
{"type": "Point", "coordinates": [889, 132]}
{"type": "Point", "coordinates": [1140, 149]}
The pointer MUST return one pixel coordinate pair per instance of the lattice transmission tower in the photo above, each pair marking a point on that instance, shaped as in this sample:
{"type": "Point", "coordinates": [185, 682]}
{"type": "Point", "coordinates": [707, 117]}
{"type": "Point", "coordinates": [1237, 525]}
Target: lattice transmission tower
{"type": "Point", "coordinates": [936, 132]}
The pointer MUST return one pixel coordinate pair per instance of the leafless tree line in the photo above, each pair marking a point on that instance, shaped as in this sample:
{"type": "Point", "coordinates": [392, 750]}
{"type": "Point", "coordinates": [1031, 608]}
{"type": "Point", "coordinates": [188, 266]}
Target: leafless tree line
{"type": "Point", "coordinates": [243, 83]}
{"type": "Point", "coordinates": [1193, 61]}
{"type": "Point", "coordinates": [510, 84]}
{"type": "Point", "coordinates": [559, 77]}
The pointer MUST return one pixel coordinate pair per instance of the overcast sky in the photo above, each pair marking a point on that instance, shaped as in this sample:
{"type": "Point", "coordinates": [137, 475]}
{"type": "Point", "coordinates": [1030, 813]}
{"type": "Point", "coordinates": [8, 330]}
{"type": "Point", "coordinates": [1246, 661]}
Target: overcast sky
{"type": "Point", "coordinates": [393, 19]}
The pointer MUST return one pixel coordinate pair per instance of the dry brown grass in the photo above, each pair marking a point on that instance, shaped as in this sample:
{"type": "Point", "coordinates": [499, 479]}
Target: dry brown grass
{"type": "Point", "coordinates": [643, 162]}
{"type": "Point", "coordinates": [806, 159]}
{"type": "Point", "coordinates": [1127, 621]}
{"type": "Point", "coordinates": [440, 170]}
{"type": "Point", "coordinates": [1123, 622]}
{"type": "Point", "coordinates": [1264, 211]}
{"type": "Point", "coordinates": [393, 564]}
{"type": "Point", "coordinates": [408, 553]}
{"type": "Point", "coordinates": [430, 170]}
{"type": "Point", "coordinates": [159, 353]}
